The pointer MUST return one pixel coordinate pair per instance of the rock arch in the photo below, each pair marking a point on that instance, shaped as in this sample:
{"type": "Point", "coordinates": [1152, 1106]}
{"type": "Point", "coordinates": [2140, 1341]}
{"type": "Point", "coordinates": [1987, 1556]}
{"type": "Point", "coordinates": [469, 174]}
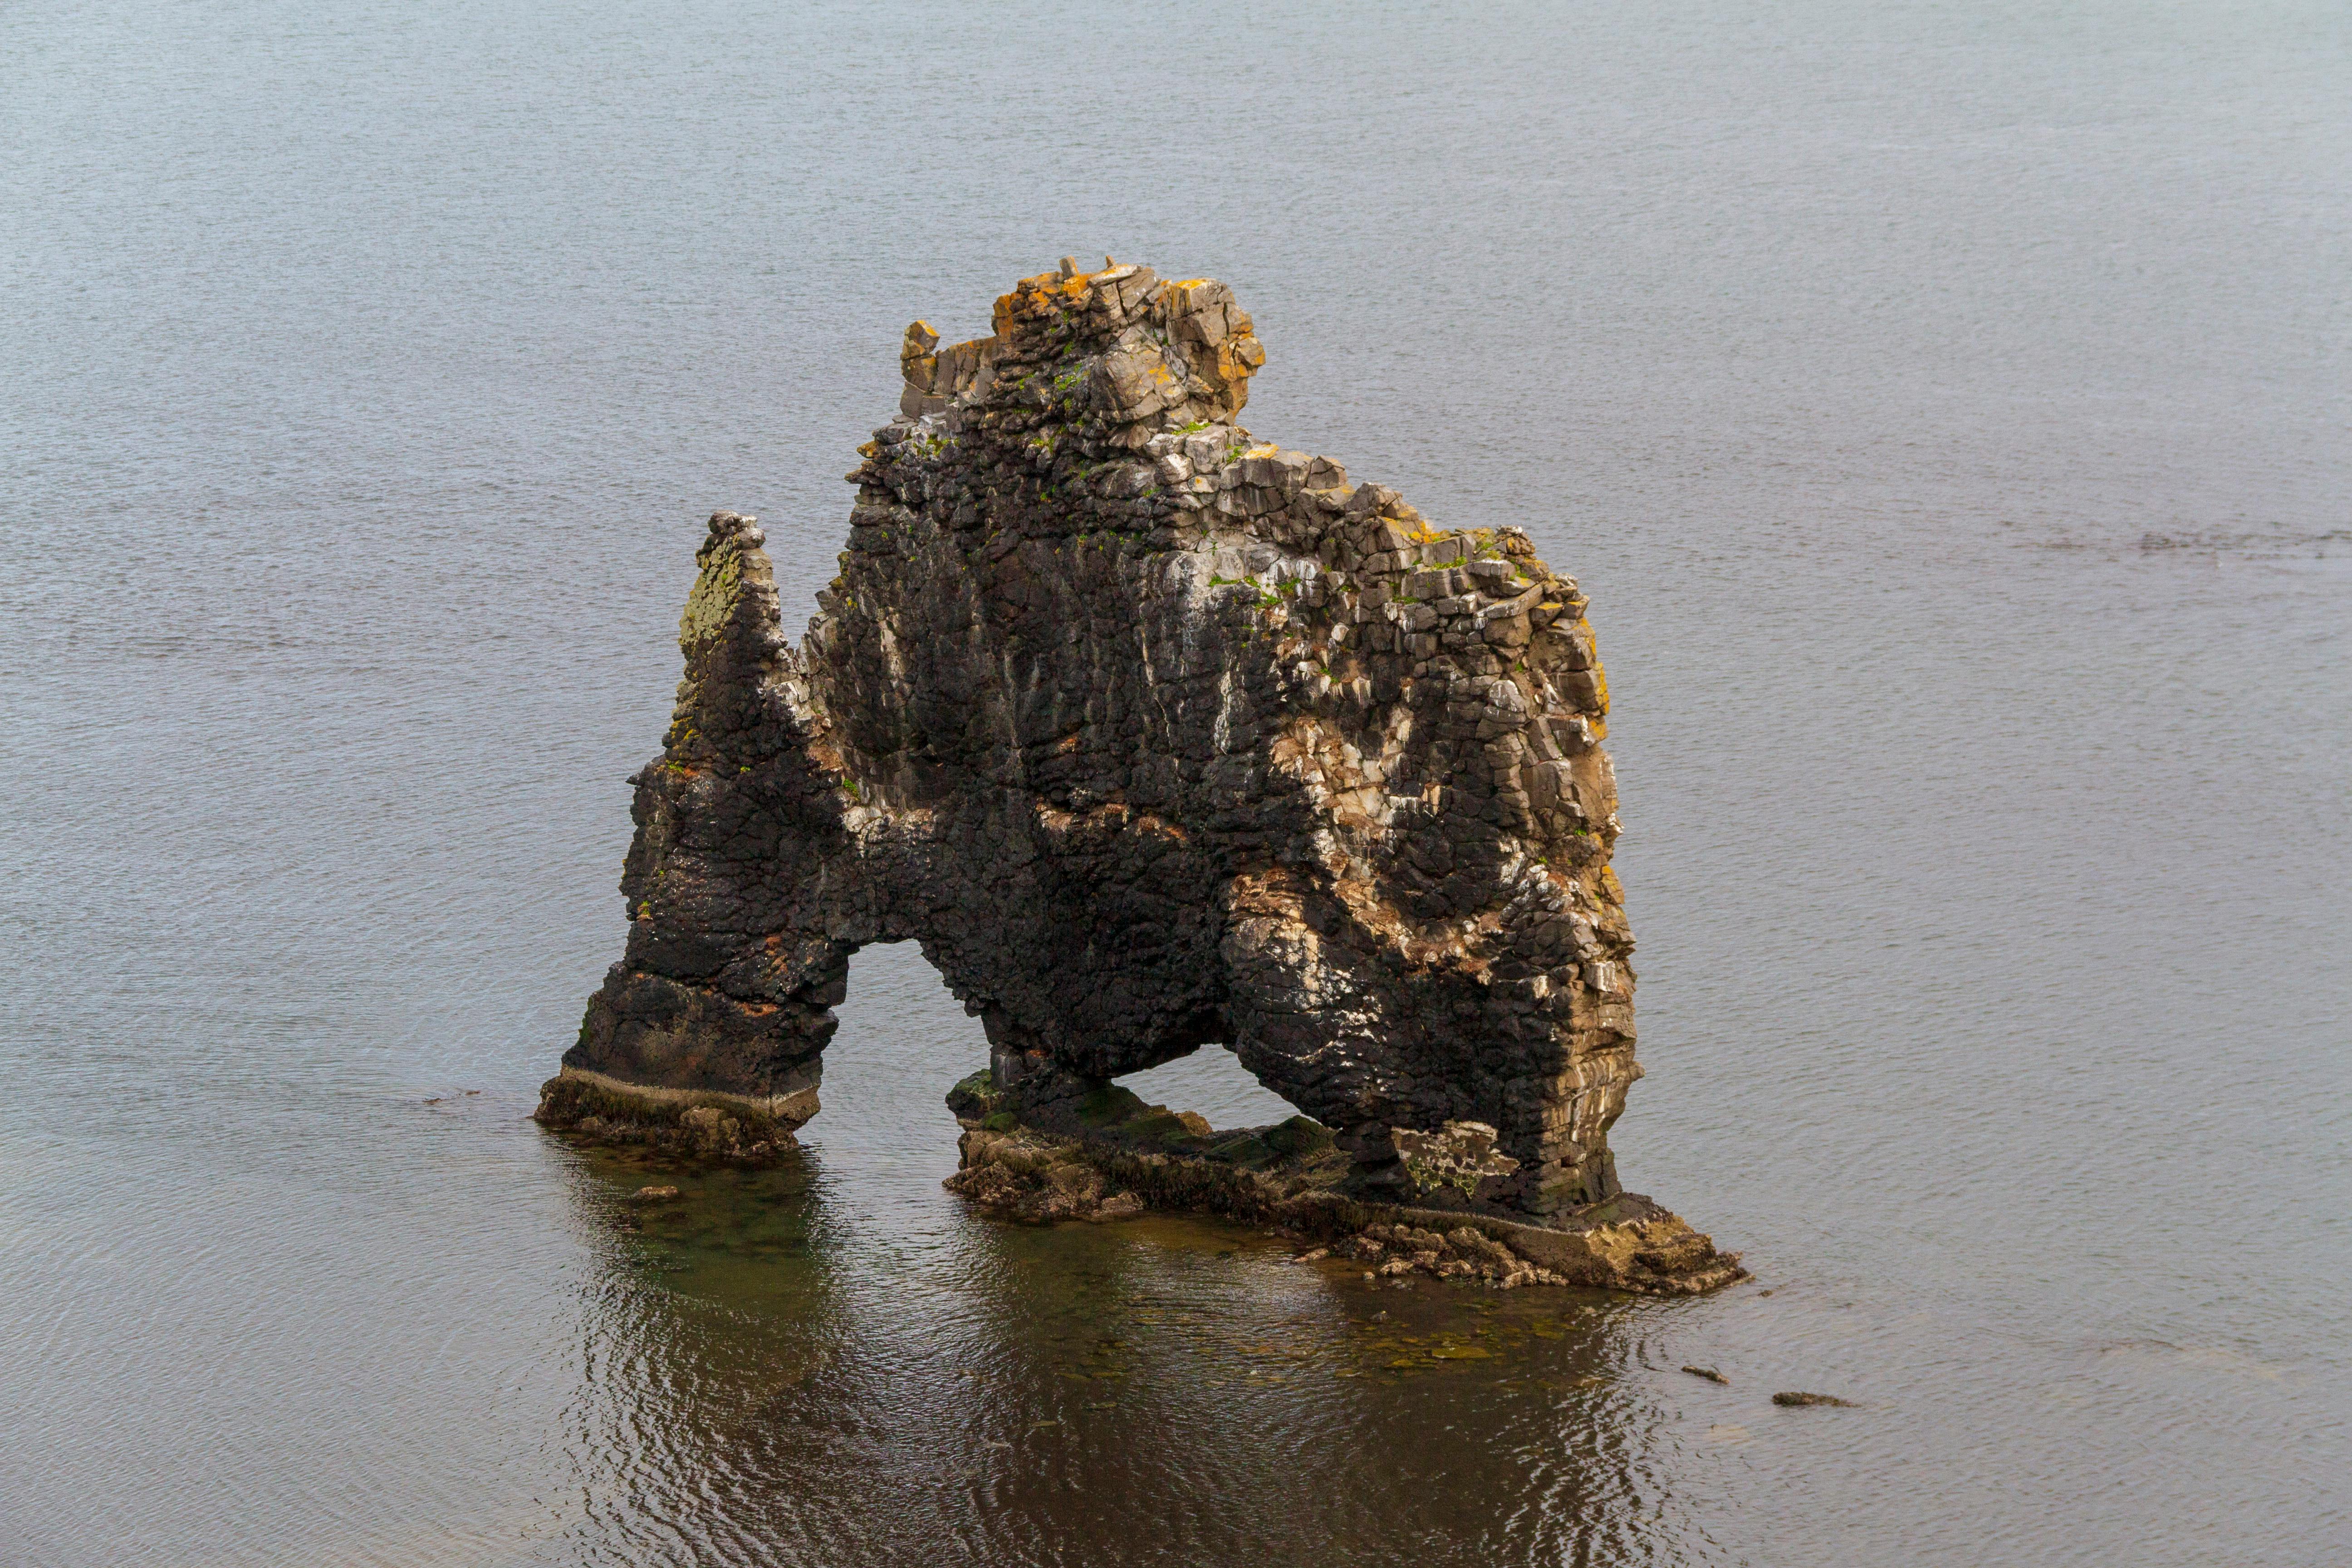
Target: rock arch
{"type": "Point", "coordinates": [1151, 735]}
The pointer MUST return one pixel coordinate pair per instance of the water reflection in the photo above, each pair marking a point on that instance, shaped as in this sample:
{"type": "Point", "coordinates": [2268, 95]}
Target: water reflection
{"type": "Point", "coordinates": [808, 1365]}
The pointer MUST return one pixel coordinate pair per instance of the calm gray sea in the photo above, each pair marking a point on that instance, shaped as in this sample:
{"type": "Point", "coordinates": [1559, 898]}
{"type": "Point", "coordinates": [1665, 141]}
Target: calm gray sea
{"type": "Point", "coordinates": [1948, 406]}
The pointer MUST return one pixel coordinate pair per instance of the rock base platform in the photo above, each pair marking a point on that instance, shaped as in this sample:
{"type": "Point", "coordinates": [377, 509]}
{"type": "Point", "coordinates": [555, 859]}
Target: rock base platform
{"type": "Point", "coordinates": [702, 1125]}
{"type": "Point", "coordinates": [1108, 1155]}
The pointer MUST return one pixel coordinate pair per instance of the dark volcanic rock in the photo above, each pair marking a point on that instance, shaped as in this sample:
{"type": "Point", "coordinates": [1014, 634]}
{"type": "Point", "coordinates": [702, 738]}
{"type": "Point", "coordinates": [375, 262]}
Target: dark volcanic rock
{"type": "Point", "coordinates": [1152, 735]}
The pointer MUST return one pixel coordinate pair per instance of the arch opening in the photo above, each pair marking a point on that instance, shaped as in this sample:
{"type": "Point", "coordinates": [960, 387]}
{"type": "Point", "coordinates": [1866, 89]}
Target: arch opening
{"type": "Point", "coordinates": [1210, 1081]}
{"type": "Point", "coordinates": [900, 1040]}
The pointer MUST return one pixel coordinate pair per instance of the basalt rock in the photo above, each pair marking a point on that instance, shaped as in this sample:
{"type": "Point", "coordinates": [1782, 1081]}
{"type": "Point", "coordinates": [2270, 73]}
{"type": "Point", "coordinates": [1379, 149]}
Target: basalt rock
{"type": "Point", "coordinates": [1108, 1155]}
{"type": "Point", "coordinates": [1153, 735]}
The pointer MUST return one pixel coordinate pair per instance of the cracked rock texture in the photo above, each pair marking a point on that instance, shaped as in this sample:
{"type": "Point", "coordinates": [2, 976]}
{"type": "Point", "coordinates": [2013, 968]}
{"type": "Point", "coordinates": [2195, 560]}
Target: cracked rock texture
{"type": "Point", "coordinates": [1152, 735]}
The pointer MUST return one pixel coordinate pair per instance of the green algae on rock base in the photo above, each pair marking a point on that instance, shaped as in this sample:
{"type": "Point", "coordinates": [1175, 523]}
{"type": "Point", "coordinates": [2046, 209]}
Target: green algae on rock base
{"type": "Point", "coordinates": [689, 1124]}
{"type": "Point", "coordinates": [1108, 1155]}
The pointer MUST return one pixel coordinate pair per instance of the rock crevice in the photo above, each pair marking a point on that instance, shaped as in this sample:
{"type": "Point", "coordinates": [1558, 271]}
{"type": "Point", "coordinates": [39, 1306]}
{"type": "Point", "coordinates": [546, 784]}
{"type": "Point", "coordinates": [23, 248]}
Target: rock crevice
{"type": "Point", "coordinates": [1153, 735]}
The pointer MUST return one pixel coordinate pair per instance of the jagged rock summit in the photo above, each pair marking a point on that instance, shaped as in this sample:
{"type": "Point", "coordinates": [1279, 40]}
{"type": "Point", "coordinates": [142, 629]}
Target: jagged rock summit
{"type": "Point", "coordinates": [1153, 735]}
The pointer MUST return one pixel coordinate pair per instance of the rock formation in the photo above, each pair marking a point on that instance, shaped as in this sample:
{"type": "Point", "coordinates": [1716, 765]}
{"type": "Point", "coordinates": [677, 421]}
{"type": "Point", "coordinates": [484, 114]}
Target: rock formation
{"type": "Point", "coordinates": [1153, 735]}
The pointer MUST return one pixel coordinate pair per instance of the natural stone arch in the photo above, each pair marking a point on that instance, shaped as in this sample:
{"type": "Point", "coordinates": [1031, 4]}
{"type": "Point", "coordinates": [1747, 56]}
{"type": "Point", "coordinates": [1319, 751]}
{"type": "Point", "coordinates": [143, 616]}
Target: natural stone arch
{"type": "Point", "coordinates": [1092, 939]}
{"type": "Point", "coordinates": [1151, 735]}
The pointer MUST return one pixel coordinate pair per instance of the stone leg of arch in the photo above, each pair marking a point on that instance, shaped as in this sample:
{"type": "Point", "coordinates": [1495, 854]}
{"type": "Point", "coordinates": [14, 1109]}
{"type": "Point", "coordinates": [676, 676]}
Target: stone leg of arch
{"type": "Point", "coordinates": [1311, 1024]}
{"type": "Point", "coordinates": [1389, 1066]}
{"type": "Point", "coordinates": [1023, 1075]}
{"type": "Point", "coordinates": [654, 1032]}
{"type": "Point", "coordinates": [707, 1036]}
{"type": "Point", "coordinates": [690, 1065]}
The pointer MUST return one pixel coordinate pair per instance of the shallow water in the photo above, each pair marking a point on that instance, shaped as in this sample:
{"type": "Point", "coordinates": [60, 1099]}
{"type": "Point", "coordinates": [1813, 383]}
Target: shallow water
{"type": "Point", "coordinates": [1946, 406]}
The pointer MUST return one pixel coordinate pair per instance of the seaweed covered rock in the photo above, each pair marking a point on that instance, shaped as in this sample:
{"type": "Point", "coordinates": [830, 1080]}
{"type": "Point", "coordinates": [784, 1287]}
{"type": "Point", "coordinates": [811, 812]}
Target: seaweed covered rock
{"type": "Point", "coordinates": [685, 1124]}
{"type": "Point", "coordinates": [1153, 735]}
{"type": "Point", "coordinates": [1108, 1155]}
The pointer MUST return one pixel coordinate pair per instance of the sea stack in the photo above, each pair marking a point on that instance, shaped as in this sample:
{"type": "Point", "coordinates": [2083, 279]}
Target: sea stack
{"type": "Point", "coordinates": [1155, 736]}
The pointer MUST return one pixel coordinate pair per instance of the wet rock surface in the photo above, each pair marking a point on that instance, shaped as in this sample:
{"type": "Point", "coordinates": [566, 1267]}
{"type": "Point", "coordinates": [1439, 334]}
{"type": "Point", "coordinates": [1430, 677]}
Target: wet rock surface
{"type": "Point", "coordinates": [681, 1124]}
{"type": "Point", "coordinates": [1153, 735]}
{"type": "Point", "coordinates": [1108, 1155]}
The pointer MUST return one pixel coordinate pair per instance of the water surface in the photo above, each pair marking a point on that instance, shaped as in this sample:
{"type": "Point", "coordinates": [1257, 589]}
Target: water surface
{"type": "Point", "coordinates": [1946, 406]}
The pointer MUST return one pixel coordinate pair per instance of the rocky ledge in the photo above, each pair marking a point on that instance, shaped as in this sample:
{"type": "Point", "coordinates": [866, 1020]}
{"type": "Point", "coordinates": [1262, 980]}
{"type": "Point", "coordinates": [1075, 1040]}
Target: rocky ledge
{"type": "Point", "coordinates": [1153, 735]}
{"type": "Point", "coordinates": [1107, 1155]}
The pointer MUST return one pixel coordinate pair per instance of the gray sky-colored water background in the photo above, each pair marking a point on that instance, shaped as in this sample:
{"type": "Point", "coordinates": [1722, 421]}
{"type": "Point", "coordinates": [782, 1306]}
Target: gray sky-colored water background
{"type": "Point", "coordinates": [1947, 407]}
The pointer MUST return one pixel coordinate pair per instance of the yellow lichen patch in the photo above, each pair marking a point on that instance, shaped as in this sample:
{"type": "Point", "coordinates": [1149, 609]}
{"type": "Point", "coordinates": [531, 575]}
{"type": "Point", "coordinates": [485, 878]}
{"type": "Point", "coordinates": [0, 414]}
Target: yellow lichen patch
{"type": "Point", "coordinates": [712, 600]}
{"type": "Point", "coordinates": [1238, 358]}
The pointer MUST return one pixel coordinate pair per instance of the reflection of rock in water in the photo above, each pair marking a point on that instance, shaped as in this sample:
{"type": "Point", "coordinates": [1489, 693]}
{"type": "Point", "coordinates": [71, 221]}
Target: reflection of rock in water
{"type": "Point", "coordinates": [1152, 735]}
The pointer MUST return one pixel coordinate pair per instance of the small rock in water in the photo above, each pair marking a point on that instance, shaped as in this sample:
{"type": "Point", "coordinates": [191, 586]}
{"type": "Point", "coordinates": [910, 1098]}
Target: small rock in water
{"type": "Point", "coordinates": [653, 1195]}
{"type": "Point", "coordinates": [1311, 1254]}
{"type": "Point", "coordinates": [1796, 1399]}
{"type": "Point", "coordinates": [1709, 1373]}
